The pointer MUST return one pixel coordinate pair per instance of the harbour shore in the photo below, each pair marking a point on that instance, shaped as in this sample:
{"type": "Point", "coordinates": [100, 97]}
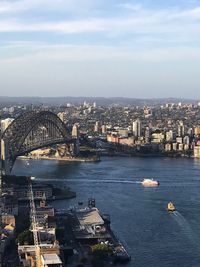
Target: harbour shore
{"type": "Point", "coordinates": [71, 159]}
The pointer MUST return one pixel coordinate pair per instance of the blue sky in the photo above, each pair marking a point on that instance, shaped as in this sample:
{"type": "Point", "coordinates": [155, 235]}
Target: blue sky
{"type": "Point", "coordinates": [148, 48]}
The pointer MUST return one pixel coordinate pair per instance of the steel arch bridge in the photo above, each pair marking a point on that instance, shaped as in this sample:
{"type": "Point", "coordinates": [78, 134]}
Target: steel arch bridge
{"type": "Point", "coordinates": [30, 131]}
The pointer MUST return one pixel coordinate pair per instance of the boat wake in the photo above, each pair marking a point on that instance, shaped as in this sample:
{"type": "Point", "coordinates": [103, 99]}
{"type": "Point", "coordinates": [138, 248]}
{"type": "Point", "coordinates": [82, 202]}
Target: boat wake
{"type": "Point", "coordinates": [90, 181]}
{"type": "Point", "coordinates": [104, 181]}
{"type": "Point", "coordinates": [186, 228]}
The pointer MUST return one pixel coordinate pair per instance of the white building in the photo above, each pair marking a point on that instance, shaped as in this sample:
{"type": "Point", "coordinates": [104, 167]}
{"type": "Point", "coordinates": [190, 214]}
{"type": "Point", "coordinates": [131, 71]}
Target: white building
{"type": "Point", "coordinates": [174, 146]}
{"type": "Point", "coordinates": [137, 128]}
{"type": "Point", "coordinates": [180, 147]}
{"type": "Point", "coordinates": [75, 131]}
{"type": "Point", "coordinates": [157, 137]}
{"type": "Point", "coordinates": [169, 136]}
{"type": "Point", "coordinates": [50, 260]}
{"type": "Point", "coordinates": [168, 147]}
{"type": "Point", "coordinates": [179, 140]}
{"type": "Point", "coordinates": [181, 129]}
{"type": "Point", "coordinates": [197, 151]}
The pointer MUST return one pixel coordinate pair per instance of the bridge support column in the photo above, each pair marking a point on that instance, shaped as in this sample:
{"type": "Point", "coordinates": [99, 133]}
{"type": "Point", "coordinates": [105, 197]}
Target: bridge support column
{"type": "Point", "coordinates": [4, 158]}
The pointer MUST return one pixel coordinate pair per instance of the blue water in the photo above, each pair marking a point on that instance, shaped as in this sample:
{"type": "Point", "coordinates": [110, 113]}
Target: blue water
{"type": "Point", "coordinates": [153, 237]}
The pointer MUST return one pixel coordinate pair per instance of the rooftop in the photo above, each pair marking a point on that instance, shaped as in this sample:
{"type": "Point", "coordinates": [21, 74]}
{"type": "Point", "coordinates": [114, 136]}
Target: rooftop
{"type": "Point", "coordinates": [89, 217]}
{"type": "Point", "coordinates": [51, 259]}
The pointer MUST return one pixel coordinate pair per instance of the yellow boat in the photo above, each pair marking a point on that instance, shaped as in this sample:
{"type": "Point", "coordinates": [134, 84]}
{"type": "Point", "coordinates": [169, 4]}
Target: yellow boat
{"type": "Point", "coordinates": [170, 207]}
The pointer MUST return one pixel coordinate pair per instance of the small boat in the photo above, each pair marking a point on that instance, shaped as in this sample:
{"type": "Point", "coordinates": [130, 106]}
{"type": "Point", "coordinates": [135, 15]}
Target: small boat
{"type": "Point", "coordinates": [170, 207]}
{"type": "Point", "coordinates": [150, 183]}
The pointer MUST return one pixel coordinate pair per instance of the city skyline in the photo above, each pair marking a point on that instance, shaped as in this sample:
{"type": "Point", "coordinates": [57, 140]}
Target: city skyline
{"type": "Point", "coordinates": [136, 49]}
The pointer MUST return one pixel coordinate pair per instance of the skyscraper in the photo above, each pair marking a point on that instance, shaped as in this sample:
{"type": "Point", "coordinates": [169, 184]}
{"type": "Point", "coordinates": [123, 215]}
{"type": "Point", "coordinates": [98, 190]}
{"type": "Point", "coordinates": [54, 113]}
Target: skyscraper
{"type": "Point", "coordinates": [76, 135]}
{"type": "Point", "coordinates": [181, 129]}
{"type": "Point", "coordinates": [137, 128]}
{"type": "Point", "coordinates": [75, 131]}
{"type": "Point", "coordinates": [147, 135]}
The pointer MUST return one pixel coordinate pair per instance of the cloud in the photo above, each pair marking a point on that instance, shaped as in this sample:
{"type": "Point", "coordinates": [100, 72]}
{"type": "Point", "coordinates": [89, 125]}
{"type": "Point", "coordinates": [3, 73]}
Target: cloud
{"type": "Point", "coordinates": [142, 21]}
{"type": "Point", "coordinates": [82, 26]}
{"type": "Point", "coordinates": [18, 6]}
{"type": "Point", "coordinates": [43, 52]}
{"type": "Point", "coordinates": [154, 35]}
{"type": "Point", "coordinates": [130, 7]}
{"type": "Point", "coordinates": [159, 23]}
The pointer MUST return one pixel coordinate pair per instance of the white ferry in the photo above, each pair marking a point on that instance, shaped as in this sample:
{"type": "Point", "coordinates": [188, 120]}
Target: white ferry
{"type": "Point", "coordinates": [150, 183]}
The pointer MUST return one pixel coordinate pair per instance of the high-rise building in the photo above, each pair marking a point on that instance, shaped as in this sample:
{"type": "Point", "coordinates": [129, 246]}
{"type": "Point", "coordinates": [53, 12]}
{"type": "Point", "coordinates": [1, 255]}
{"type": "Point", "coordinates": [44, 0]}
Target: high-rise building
{"type": "Point", "coordinates": [147, 135]}
{"type": "Point", "coordinates": [75, 134]}
{"type": "Point", "coordinates": [186, 140]}
{"type": "Point", "coordinates": [137, 128]}
{"type": "Point", "coordinates": [97, 126]}
{"type": "Point", "coordinates": [75, 131]}
{"type": "Point", "coordinates": [181, 129]}
{"type": "Point", "coordinates": [103, 129]}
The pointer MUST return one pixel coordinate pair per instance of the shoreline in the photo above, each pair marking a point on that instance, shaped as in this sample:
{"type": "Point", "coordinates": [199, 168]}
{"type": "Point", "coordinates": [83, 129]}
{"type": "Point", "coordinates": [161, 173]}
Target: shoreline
{"type": "Point", "coordinates": [117, 154]}
{"type": "Point", "coordinates": [70, 159]}
{"type": "Point", "coordinates": [143, 155]}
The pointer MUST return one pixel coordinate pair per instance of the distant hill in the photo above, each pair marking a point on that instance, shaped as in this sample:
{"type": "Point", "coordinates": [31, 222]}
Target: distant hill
{"type": "Point", "coordinates": [99, 100]}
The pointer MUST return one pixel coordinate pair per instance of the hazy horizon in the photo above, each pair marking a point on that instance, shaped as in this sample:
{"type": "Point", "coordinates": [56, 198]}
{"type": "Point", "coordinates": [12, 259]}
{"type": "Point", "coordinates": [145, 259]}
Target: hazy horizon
{"type": "Point", "coordinates": [104, 97]}
{"type": "Point", "coordinates": [96, 48]}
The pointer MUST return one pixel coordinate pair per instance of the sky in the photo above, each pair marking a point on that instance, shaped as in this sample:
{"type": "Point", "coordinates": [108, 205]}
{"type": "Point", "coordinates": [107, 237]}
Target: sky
{"type": "Point", "coordinates": [139, 49]}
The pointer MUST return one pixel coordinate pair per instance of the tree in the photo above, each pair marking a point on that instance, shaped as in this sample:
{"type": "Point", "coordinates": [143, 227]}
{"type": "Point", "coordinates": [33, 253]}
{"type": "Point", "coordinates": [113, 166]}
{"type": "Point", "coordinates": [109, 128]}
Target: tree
{"type": "Point", "coordinates": [26, 237]}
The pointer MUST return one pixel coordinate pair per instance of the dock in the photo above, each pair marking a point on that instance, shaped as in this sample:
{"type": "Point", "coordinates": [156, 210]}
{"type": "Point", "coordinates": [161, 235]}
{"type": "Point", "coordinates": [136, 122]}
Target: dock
{"type": "Point", "coordinates": [90, 228]}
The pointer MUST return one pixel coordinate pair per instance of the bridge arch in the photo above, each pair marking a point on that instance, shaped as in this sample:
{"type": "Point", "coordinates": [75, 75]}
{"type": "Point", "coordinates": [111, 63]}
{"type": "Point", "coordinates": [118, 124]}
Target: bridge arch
{"type": "Point", "coordinates": [30, 131]}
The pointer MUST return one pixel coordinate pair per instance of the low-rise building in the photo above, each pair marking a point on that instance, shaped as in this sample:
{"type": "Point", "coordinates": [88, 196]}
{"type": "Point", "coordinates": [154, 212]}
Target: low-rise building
{"type": "Point", "coordinates": [168, 147]}
{"type": "Point", "coordinates": [174, 146]}
{"type": "Point", "coordinates": [51, 260]}
{"type": "Point", "coordinates": [129, 141]}
{"type": "Point", "coordinates": [27, 255]}
{"type": "Point", "coordinates": [157, 137]}
{"type": "Point", "coordinates": [22, 192]}
{"type": "Point", "coordinates": [180, 147]}
{"type": "Point", "coordinates": [197, 151]}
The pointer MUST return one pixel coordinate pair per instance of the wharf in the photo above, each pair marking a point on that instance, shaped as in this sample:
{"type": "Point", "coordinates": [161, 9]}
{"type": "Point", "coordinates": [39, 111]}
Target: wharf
{"type": "Point", "coordinates": [88, 228]}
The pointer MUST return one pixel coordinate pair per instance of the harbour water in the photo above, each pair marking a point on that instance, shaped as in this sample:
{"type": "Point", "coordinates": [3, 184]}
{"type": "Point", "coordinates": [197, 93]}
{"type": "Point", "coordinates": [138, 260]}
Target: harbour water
{"type": "Point", "coordinates": [152, 236]}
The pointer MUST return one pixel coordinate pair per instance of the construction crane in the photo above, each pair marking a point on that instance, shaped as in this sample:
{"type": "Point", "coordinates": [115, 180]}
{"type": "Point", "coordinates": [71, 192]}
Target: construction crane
{"type": "Point", "coordinates": [1, 226]}
{"type": "Point", "coordinates": [34, 223]}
